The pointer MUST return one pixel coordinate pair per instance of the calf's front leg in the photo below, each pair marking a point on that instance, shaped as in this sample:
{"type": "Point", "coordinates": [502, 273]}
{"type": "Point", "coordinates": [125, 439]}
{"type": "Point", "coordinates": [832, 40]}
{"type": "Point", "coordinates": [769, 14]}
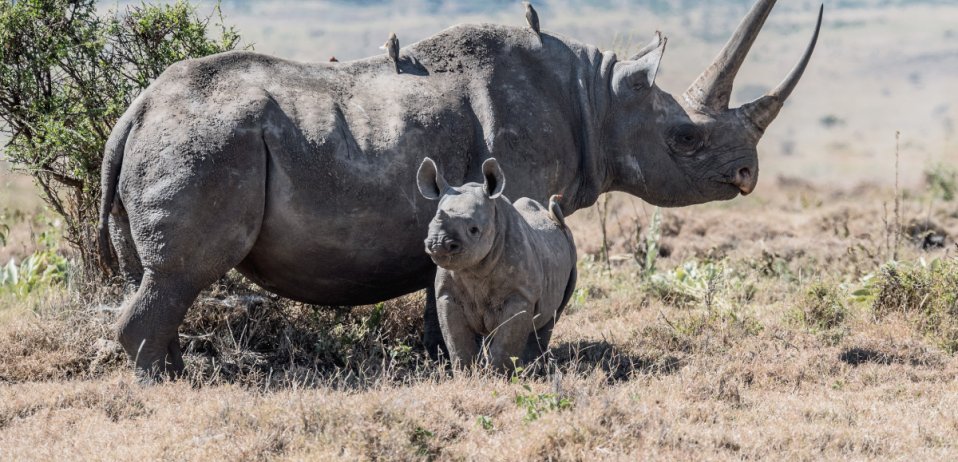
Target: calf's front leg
{"type": "Point", "coordinates": [459, 337]}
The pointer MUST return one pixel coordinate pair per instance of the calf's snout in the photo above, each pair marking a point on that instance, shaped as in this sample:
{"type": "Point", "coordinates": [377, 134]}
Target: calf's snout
{"type": "Point", "coordinates": [442, 246]}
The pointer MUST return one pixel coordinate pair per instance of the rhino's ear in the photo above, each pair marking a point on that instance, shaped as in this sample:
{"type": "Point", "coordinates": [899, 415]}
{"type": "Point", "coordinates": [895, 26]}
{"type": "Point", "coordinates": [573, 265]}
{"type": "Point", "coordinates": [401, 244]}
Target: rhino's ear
{"type": "Point", "coordinates": [430, 181]}
{"type": "Point", "coordinates": [495, 180]}
{"type": "Point", "coordinates": [639, 74]}
{"type": "Point", "coordinates": [655, 43]}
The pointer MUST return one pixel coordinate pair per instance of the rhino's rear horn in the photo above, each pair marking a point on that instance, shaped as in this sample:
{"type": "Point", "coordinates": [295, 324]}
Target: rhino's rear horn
{"type": "Point", "coordinates": [763, 110]}
{"type": "Point", "coordinates": [713, 88]}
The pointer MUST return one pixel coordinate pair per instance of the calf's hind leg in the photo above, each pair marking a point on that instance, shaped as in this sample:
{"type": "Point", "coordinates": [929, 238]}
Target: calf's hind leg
{"type": "Point", "coordinates": [538, 342]}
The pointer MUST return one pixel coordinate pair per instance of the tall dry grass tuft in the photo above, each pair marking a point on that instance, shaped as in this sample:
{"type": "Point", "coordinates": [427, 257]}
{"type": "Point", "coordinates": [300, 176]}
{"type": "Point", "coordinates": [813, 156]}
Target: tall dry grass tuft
{"type": "Point", "coordinates": [57, 336]}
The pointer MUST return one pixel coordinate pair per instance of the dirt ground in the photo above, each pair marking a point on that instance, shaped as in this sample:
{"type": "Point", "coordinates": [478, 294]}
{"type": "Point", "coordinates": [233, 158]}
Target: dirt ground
{"type": "Point", "coordinates": [744, 358]}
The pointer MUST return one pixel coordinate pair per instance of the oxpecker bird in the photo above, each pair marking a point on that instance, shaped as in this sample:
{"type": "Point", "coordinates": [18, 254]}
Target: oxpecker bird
{"type": "Point", "coordinates": [392, 49]}
{"type": "Point", "coordinates": [532, 17]}
{"type": "Point", "coordinates": [333, 59]}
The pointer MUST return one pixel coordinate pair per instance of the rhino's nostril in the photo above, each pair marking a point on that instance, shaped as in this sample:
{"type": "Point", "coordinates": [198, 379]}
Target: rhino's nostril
{"type": "Point", "coordinates": [744, 180]}
{"type": "Point", "coordinates": [453, 247]}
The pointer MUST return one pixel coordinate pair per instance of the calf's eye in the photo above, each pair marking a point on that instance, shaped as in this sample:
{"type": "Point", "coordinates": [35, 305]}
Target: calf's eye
{"type": "Point", "coordinates": [474, 230]}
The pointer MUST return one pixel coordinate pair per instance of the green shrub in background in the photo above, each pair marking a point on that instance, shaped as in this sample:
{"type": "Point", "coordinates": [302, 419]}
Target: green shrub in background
{"type": "Point", "coordinates": [942, 181]}
{"type": "Point", "coordinates": [42, 269]}
{"type": "Point", "coordinates": [689, 284]}
{"type": "Point", "coordinates": [67, 74]}
{"type": "Point", "coordinates": [822, 307]}
{"type": "Point", "coordinates": [926, 294]}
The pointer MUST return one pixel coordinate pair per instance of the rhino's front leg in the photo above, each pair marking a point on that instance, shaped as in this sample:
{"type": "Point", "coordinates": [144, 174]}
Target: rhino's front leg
{"type": "Point", "coordinates": [459, 337]}
{"type": "Point", "coordinates": [509, 339]}
{"type": "Point", "coordinates": [432, 337]}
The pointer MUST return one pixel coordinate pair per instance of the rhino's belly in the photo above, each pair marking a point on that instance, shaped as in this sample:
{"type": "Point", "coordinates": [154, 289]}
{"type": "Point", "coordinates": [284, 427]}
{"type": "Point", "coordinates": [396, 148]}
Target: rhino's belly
{"type": "Point", "coordinates": [308, 268]}
{"type": "Point", "coordinates": [325, 246]}
{"type": "Point", "coordinates": [322, 283]}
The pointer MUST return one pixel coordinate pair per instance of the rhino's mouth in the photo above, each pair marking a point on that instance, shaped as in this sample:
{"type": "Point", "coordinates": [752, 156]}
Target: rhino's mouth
{"type": "Point", "coordinates": [444, 256]}
{"type": "Point", "coordinates": [448, 261]}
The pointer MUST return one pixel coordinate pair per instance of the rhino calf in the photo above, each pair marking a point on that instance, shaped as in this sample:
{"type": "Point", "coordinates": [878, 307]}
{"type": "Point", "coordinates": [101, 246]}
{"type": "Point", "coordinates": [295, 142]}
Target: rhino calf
{"type": "Point", "coordinates": [506, 270]}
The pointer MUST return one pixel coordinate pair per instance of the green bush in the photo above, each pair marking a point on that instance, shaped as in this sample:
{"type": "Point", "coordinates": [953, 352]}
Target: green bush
{"type": "Point", "coordinates": [537, 404]}
{"type": "Point", "coordinates": [927, 294]}
{"type": "Point", "coordinates": [822, 307]}
{"type": "Point", "coordinates": [67, 74]}
{"type": "Point", "coordinates": [691, 283]}
{"type": "Point", "coordinates": [942, 181]}
{"type": "Point", "coordinates": [42, 269]}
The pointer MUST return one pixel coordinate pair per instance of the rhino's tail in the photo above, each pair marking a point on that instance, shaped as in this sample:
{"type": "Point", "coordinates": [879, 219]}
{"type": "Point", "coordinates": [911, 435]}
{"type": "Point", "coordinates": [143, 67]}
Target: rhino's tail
{"type": "Point", "coordinates": [109, 178]}
{"type": "Point", "coordinates": [555, 210]}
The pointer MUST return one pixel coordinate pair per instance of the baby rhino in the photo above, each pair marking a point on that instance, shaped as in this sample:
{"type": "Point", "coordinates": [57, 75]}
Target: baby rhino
{"type": "Point", "coordinates": [505, 270]}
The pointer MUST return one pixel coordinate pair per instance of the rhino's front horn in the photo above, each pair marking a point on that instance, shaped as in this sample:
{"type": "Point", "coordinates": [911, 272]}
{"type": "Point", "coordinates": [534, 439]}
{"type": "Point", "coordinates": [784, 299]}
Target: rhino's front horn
{"type": "Point", "coordinates": [712, 90]}
{"type": "Point", "coordinates": [763, 110]}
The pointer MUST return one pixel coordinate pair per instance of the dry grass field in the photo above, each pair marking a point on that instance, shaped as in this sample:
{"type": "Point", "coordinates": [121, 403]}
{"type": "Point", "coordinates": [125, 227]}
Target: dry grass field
{"type": "Point", "coordinates": [815, 319]}
{"type": "Point", "coordinates": [771, 328]}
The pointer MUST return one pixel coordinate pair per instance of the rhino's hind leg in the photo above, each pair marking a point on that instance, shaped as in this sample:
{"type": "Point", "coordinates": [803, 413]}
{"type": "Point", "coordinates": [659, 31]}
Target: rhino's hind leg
{"type": "Point", "coordinates": [148, 328]}
{"type": "Point", "coordinates": [149, 324]}
{"type": "Point", "coordinates": [191, 222]}
{"type": "Point", "coordinates": [538, 342]}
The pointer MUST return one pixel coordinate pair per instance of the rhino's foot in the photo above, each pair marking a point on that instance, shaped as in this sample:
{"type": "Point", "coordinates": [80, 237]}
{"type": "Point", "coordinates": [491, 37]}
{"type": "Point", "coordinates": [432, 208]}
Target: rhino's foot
{"type": "Point", "coordinates": [435, 346]}
{"type": "Point", "coordinates": [154, 365]}
{"type": "Point", "coordinates": [148, 327]}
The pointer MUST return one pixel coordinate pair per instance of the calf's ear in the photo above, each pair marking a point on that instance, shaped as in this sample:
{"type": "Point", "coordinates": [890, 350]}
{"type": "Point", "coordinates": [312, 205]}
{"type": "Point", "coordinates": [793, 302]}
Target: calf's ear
{"type": "Point", "coordinates": [430, 181]}
{"type": "Point", "coordinates": [495, 180]}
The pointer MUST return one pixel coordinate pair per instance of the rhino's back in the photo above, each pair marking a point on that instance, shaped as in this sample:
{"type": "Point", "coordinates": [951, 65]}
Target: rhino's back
{"type": "Point", "coordinates": [536, 215]}
{"type": "Point", "coordinates": [552, 242]}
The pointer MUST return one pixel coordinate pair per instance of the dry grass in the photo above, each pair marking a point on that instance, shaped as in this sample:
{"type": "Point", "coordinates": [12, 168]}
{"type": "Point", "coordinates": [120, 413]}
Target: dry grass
{"type": "Point", "coordinates": [779, 346]}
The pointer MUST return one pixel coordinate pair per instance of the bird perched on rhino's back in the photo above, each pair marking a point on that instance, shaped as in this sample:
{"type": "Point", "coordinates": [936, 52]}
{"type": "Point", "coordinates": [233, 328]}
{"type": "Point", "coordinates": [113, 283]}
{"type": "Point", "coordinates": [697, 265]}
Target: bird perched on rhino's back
{"type": "Point", "coordinates": [392, 49]}
{"type": "Point", "coordinates": [288, 171]}
{"type": "Point", "coordinates": [532, 17]}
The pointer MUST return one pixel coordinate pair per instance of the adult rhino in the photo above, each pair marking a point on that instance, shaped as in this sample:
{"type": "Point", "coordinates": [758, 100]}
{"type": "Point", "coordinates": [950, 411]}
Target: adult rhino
{"type": "Point", "coordinates": [303, 176]}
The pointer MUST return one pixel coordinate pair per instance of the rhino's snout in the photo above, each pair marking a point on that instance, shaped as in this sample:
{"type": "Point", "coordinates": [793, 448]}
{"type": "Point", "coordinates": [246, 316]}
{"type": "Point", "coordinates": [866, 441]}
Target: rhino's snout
{"type": "Point", "coordinates": [442, 246]}
{"type": "Point", "coordinates": [745, 179]}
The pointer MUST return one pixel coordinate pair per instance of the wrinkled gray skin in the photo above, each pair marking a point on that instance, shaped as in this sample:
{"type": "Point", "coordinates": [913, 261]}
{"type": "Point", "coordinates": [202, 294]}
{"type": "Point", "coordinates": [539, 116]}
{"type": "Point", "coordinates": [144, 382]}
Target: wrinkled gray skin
{"type": "Point", "coordinates": [505, 271]}
{"type": "Point", "coordinates": [299, 175]}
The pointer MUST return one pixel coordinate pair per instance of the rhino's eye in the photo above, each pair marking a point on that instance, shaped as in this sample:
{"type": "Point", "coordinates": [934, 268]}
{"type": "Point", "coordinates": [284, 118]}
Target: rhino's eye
{"type": "Point", "coordinates": [685, 139]}
{"type": "Point", "coordinates": [474, 230]}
